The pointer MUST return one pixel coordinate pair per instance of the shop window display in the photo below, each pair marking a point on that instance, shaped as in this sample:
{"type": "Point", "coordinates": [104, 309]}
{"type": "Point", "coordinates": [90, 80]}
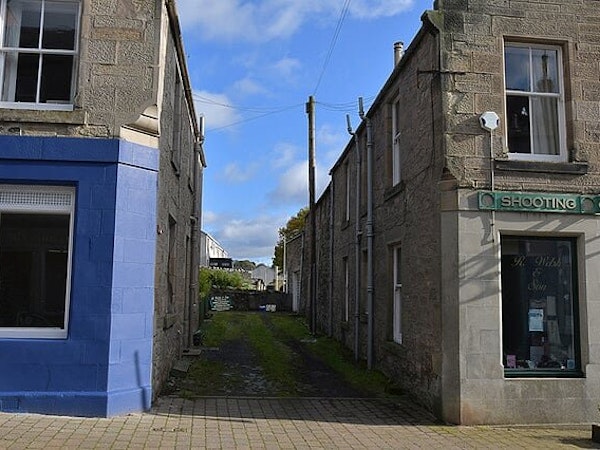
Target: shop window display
{"type": "Point", "coordinates": [539, 306]}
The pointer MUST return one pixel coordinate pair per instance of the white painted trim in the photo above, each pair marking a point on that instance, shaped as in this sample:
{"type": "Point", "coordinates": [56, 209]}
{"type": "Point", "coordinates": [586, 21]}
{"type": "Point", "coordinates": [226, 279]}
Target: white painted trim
{"type": "Point", "coordinates": [562, 127]}
{"type": "Point", "coordinates": [65, 202]}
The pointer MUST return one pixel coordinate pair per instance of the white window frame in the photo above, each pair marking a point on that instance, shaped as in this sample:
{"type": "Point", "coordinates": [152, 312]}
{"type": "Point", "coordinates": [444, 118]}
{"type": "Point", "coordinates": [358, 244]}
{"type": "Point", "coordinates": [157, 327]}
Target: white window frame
{"type": "Point", "coordinates": [397, 295]}
{"type": "Point", "coordinates": [40, 52]}
{"type": "Point", "coordinates": [41, 200]}
{"type": "Point", "coordinates": [396, 156]}
{"type": "Point", "coordinates": [560, 96]}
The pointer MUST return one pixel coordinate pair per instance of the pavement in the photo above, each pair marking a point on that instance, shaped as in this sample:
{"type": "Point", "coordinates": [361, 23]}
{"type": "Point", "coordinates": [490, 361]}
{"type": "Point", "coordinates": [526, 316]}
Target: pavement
{"type": "Point", "coordinates": [278, 423]}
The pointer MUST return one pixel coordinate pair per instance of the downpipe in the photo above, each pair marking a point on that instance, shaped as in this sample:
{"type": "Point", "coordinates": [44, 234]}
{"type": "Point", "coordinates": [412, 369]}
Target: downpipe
{"type": "Point", "coordinates": [357, 244]}
{"type": "Point", "coordinates": [370, 235]}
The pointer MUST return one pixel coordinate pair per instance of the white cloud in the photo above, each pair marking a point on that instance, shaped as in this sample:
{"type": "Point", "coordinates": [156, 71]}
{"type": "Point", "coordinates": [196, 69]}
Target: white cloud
{"type": "Point", "coordinates": [331, 143]}
{"type": "Point", "coordinates": [287, 68]}
{"type": "Point", "coordinates": [265, 20]}
{"type": "Point", "coordinates": [252, 239]}
{"type": "Point", "coordinates": [209, 218]}
{"type": "Point", "coordinates": [283, 155]}
{"type": "Point", "coordinates": [233, 173]}
{"type": "Point", "coordinates": [248, 86]}
{"type": "Point", "coordinates": [372, 9]}
{"type": "Point", "coordinates": [292, 186]}
{"type": "Point", "coordinates": [214, 107]}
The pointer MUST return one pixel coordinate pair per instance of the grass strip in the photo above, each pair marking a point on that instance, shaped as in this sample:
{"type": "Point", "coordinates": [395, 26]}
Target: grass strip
{"type": "Point", "coordinates": [275, 357]}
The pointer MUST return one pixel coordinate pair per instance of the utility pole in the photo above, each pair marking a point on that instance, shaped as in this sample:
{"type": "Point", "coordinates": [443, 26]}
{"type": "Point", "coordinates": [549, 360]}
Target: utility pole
{"type": "Point", "coordinates": [310, 110]}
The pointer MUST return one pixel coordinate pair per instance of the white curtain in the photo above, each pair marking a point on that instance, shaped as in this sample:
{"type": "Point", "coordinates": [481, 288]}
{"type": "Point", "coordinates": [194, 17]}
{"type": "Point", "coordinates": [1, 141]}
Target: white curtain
{"type": "Point", "coordinates": [544, 126]}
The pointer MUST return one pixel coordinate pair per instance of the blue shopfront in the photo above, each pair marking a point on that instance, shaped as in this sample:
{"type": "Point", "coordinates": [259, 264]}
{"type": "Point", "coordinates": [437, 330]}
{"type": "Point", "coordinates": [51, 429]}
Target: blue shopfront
{"type": "Point", "coordinates": [77, 262]}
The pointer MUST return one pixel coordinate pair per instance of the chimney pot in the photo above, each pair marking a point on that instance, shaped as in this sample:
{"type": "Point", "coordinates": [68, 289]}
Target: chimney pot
{"type": "Point", "coordinates": [398, 52]}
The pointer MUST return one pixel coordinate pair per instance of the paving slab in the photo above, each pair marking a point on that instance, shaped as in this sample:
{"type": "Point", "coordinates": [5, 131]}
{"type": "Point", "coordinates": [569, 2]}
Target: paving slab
{"type": "Point", "coordinates": [278, 423]}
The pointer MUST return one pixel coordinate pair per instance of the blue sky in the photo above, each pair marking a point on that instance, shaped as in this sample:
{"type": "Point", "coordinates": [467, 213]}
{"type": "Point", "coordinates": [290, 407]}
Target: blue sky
{"type": "Point", "coordinates": [253, 64]}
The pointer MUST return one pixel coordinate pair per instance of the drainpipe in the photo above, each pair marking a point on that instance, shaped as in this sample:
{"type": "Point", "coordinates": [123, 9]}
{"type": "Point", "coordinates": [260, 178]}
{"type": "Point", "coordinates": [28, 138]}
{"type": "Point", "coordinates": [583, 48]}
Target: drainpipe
{"type": "Point", "coordinates": [356, 244]}
{"type": "Point", "coordinates": [300, 293]}
{"type": "Point", "coordinates": [331, 231]}
{"type": "Point", "coordinates": [370, 234]}
{"type": "Point", "coordinates": [194, 219]}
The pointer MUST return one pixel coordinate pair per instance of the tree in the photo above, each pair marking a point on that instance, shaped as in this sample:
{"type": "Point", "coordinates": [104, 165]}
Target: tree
{"type": "Point", "coordinates": [246, 265]}
{"type": "Point", "coordinates": [293, 227]}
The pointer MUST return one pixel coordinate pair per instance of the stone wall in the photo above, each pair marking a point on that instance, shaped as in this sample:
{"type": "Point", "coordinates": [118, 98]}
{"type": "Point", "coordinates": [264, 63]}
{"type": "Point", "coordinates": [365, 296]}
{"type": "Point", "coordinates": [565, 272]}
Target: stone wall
{"type": "Point", "coordinates": [473, 37]}
{"type": "Point", "coordinates": [177, 308]}
{"type": "Point", "coordinates": [294, 266]}
{"type": "Point", "coordinates": [131, 83]}
{"type": "Point", "coordinates": [118, 73]}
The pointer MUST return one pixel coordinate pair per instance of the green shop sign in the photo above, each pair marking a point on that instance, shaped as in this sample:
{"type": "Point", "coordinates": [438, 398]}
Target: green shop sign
{"type": "Point", "coordinates": [534, 202]}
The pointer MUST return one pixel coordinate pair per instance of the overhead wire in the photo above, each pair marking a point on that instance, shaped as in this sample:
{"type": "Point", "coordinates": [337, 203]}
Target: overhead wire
{"type": "Point", "coordinates": [258, 109]}
{"type": "Point", "coordinates": [264, 111]}
{"type": "Point", "coordinates": [259, 116]}
{"type": "Point", "coordinates": [334, 39]}
{"type": "Point", "coordinates": [346, 107]}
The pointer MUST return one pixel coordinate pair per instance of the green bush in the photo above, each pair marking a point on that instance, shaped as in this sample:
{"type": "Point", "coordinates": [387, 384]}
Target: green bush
{"type": "Point", "coordinates": [220, 279]}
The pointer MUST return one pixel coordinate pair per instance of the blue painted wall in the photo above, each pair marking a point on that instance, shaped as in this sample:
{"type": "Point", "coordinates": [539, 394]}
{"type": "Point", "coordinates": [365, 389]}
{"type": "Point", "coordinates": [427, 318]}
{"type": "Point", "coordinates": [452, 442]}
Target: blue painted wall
{"type": "Point", "coordinates": [104, 366]}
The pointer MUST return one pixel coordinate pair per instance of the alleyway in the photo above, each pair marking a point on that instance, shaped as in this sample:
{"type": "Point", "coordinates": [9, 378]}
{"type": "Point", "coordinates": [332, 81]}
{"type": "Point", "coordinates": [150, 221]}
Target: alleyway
{"type": "Point", "coordinates": [251, 354]}
{"type": "Point", "coordinates": [262, 382]}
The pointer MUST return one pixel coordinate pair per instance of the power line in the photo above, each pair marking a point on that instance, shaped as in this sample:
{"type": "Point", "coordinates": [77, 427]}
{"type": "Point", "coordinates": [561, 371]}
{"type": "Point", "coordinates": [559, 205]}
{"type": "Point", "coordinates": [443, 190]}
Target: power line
{"type": "Point", "coordinates": [260, 116]}
{"type": "Point", "coordinates": [346, 107]}
{"type": "Point", "coordinates": [258, 109]}
{"type": "Point", "coordinates": [334, 39]}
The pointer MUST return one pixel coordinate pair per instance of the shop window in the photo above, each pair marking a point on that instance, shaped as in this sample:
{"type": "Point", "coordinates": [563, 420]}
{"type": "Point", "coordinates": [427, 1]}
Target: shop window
{"type": "Point", "coordinates": [397, 313]}
{"type": "Point", "coordinates": [36, 234]}
{"type": "Point", "coordinates": [535, 118]}
{"type": "Point", "coordinates": [396, 173]}
{"type": "Point", "coordinates": [38, 53]}
{"type": "Point", "coordinates": [539, 306]}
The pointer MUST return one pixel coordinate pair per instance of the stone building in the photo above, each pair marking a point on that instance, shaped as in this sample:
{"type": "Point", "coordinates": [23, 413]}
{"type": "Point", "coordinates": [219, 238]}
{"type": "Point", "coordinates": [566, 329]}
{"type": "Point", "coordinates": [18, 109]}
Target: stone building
{"type": "Point", "coordinates": [101, 164]}
{"type": "Point", "coordinates": [463, 227]}
{"type": "Point", "coordinates": [210, 248]}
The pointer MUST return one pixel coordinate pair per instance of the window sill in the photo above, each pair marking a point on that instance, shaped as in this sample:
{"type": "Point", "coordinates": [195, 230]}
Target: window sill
{"type": "Point", "coordinates": [394, 348]}
{"type": "Point", "coordinates": [32, 333]}
{"type": "Point", "coordinates": [568, 168]}
{"type": "Point", "coordinates": [74, 117]}
{"type": "Point", "coordinates": [549, 373]}
{"type": "Point", "coordinates": [393, 191]}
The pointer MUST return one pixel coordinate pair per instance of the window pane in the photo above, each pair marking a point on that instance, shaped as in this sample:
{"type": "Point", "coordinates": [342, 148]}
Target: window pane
{"type": "Point", "coordinates": [544, 119]}
{"type": "Point", "coordinates": [517, 109]}
{"type": "Point", "coordinates": [56, 79]}
{"type": "Point", "coordinates": [397, 307]}
{"type": "Point", "coordinates": [27, 75]}
{"type": "Point", "coordinates": [11, 61]}
{"type": "Point", "coordinates": [397, 116]}
{"type": "Point", "coordinates": [398, 265]}
{"type": "Point", "coordinates": [517, 68]}
{"type": "Point", "coordinates": [60, 20]}
{"type": "Point", "coordinates": [33, 269]}
{"type": "Point", "coordinates": [545, 70]}
{"type": "Point", "coordinates": [538, 304]}
{"type": "Point", "coordinates": [23, 23]}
